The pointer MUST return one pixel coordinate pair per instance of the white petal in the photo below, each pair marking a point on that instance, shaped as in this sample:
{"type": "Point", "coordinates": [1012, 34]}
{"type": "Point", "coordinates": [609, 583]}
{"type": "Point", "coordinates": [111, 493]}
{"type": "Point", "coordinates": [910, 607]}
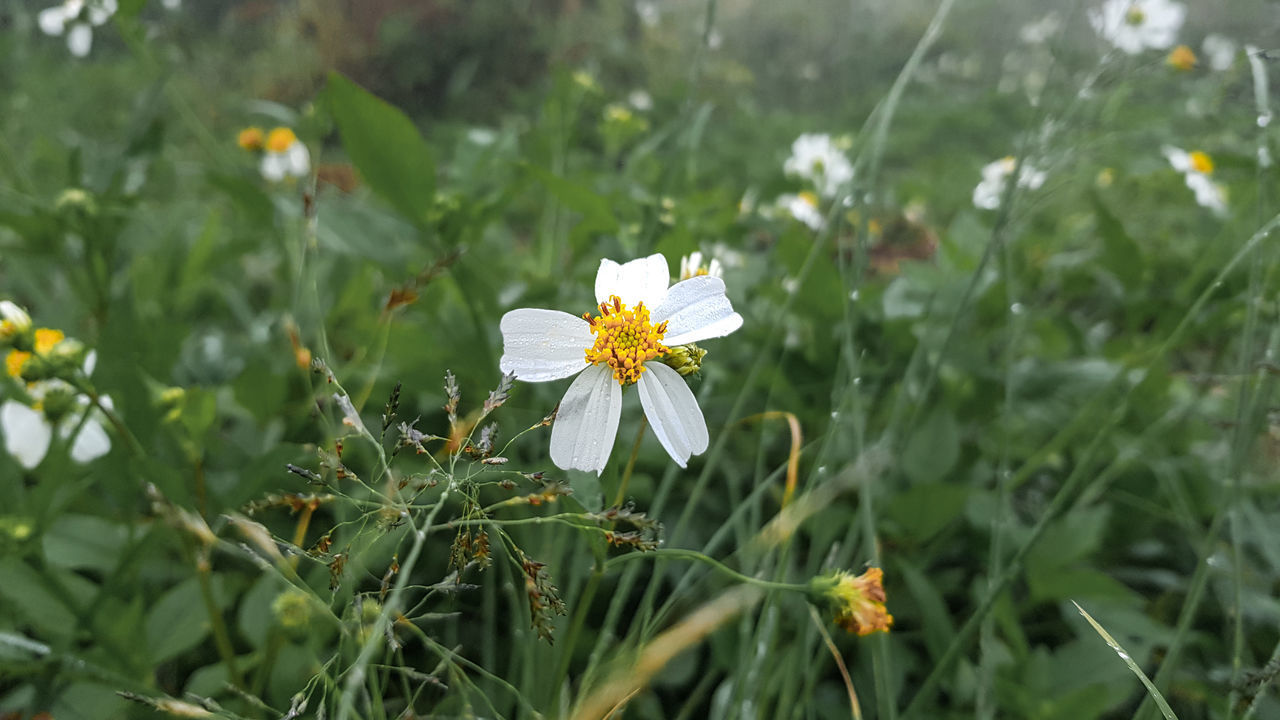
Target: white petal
{"type": "Point", "coordinates": [52, 21]}
{"type": "Point", "coordinates": [273, 167]}
{"type": "Point", "coordinates": [542, 345]}
{"type": "Point", "coordinates": [642, 280]}
{"type": "Point", "coordinates": [90, 362]}
{"type": "Point", "coordinates": [673, 412]}
{"type": "Point", "coordinates": [298, 160]}
{"type": "Point", "coordinates": [91, 443]}
{"type": "Point", "coordinates": [587, 422]}
{"type": "Point", "coordinates": [100, 13]}
{"type": "Point", "coordinates": [26, 433]}
{"type": "Point", "coordinates": [80, 39]}
{"type": "Point", "coordinates": [696, 309]}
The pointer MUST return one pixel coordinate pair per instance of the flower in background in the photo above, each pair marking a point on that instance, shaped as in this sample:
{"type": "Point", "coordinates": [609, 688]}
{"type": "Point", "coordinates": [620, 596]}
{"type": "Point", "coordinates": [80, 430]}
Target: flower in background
{"type": "Point", "coordinates": [14, 323]}
{"type": "Point", "coordinates": [640, 100]}
{"type": "Point", "coordinates": [1220, 51]}
{"type": "Point", "coordinates": [1134, 25]}
{"type": "Point", "coordinates": [76, 18]}
{"type": "Point", "coordinates": [691, 266]}
{"type": "Point", "coordinates": [994, 176]}
{"type": "Point", "coordinates": [1181, 58]}
{"type": "Point", "coordinates": [1039, 32]}
{"type": "Point", "coordinates": [856, 602]}
{"type": "Point", "coordinates": [803, 206]}
{"type": "Point", "coordinates": [171, 4]}
{"type": "Point", "coordinates": [819, 160]}
{"type": "Point", "coordinates": [284, 155]}
{"type": "Point", "coordinates": [251, 139]}
{"type": "Point", "coordinates": [57, 409]}
{"type": "Point", "coordinates": [640, 320]}
{"type": "Point", "coordinates": [1196, 168]}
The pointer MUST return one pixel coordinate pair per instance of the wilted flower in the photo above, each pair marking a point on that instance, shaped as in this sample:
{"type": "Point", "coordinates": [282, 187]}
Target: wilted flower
{"type": "Point", "coordinates": [76, 18]}
{"type": "Point", "coordinates": [1220, 51]}
{"type": "Point", "coordinates": [1196, 167]}
{"type": "Point", "coordinates": [803, 206]}
{"type": "Point", "coordinates": [994, 176]}
{"type": "Point", "coordinates": [1134, 25]}
{"type": "Point", "coordinates": [640, 320]}
{"type": "Point", "coordinates": [856, 602]}
{"type": "Point", "coordinates": [1181, 58]}
{"type": "Point", "coordinates": [819, 160]}
{"type": "Point", "coordinates": [284, 155]}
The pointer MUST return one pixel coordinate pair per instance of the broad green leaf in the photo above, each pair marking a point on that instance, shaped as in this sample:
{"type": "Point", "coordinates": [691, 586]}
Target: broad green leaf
{"type": "Point", "coordinates": [385, 147]}
{"type": "Point", "coordinates": [84, 541]}
{"type": "Point", "coordinates": [925, 509]}
{"type": "Point", "coordinates": [177, 622]}
{"type": "Point", "coordinates": [578, 197]}
{"type": "Point", "coordinates": [24, 590]}
{"type": "Point", "coordinates": [933, 449]}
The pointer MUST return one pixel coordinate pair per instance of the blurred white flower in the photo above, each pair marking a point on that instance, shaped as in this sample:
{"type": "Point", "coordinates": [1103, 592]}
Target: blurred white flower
{"type": "Point", "coordinates": [617, 349]}
{"type": "Point", "coordinates": [818, 159]}
{"type": "Point", "coordinates": [483, 137]}
{"type": "Point", "coordinates": [994, 176]}
{"type": "Point", "coordinates": [1039, 32]}
{"type": "Point", "coordinates": [1196, 168]}
{"type": "Point", "coordinates": [648, 12]}
{"type": "Point", "coordinates": [76, 18]}
{"type": "Point", "coordinates": [28, 431]}
{"type": "Point", "coordinates": [691, 266]}
{"type": "Point", "coordinates": [640, 100]}
{"type": "Point", "coordinates": [1220, 50]}
{"type": "Point", "coordinates": [171, 4]}
{"type": "Point", "coordinates": [803, 207]}
{"type": "Point", "coordinates": [284, 155]}
{"type": "Point", "coordinates": [1134, 25]}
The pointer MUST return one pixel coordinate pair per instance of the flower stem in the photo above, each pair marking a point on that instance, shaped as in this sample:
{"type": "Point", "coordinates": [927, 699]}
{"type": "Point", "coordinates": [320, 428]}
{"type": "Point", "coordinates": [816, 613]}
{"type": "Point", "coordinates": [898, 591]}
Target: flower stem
{"type": "Point", "coordinates": [724, 569]}
{"type": "Point", "coordinates": [631, 464]}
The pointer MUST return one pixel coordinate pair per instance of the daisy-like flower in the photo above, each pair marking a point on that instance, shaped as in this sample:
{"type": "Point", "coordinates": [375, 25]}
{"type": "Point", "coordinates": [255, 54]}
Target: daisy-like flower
{"type": "Point", "coordinates": [14, 322]}
{"type": "Point", "coordinates": [284, 155]}
{"type": "Point", "coordinates": [819, 160]}
{"type": "Point", "coordinates": [994, 176]}
{"type": "Point", "coordinates": [76, 18]}
{"type": "Point", "coordinates": [1135, 25]}
{"type": "Point", "coordinates": [856, 602]}
{"type": "Point", "coordinates": [1196, 168]}
{"type": "Point", "coordinates": [640, 320]}
{"type": "Point", "coordinates": [58, 408]}
{"type": "Point", "coordinates": [1220, 51]}
{"type": "Point", "coordinates": [803, 206]}
{"type": "Point", "coordinates": [691, 266]}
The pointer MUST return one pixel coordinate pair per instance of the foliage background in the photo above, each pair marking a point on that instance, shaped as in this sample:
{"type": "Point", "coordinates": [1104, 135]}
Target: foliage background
{"type": "Point", "coordinates": [1067, 400]}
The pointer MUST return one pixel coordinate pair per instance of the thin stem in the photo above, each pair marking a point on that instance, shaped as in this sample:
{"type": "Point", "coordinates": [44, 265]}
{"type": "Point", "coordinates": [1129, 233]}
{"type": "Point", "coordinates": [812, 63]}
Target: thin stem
{"type": "Point", "coordinates": [724, 569]}
{"type": "Point", "coordinates": [631, 464]}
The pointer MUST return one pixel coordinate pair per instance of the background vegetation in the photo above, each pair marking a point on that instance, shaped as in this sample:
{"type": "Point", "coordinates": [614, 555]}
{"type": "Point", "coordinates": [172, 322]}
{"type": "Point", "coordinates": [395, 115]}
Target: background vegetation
{"type": "Point", "coordinates": [1068, 400]}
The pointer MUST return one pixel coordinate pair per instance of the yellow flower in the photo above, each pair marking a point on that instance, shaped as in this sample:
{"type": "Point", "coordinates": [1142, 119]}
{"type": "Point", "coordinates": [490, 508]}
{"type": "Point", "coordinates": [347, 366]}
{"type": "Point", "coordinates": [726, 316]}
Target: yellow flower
{"type": "Point", "coordinates": [1181, 58]}
{"type": "Point", "coordinates": [14, 361]}
{"type": "Point", "coordinates": [856, 602]}
{"type": "Point", "coordinates": [250, 138]}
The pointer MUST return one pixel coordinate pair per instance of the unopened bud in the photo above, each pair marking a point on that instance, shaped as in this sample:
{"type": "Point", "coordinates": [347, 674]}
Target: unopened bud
{"type": "Point", "coordinates": [684, 359]}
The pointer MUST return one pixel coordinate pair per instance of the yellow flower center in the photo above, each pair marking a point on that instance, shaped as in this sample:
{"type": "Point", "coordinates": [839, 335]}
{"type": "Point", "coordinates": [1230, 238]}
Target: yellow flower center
{"type": "Point", "coordinates": [808, 197]}
{"type": "Point", "coordinates": [1135, 16]}
{"type": "Point", "coordinates": [1201, 162]}
{"type": "Point", "coordinates": [1182, 58]}
{"type": "Point", "coordinates": [625, 339]}
{"type": "Point", "coordinates": [13, 363]}
{"type": "Point", "coordinates": [280, 139]}
{"type": "Point", "coordinates": [250, 138]}
{"type": "Point", "coordinates": [46, 339]}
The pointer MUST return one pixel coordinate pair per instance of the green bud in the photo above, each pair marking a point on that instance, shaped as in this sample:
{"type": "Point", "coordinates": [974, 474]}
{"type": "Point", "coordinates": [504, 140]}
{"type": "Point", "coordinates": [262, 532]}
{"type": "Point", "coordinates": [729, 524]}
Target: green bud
{"type": "Point", "coordinates": [685, 359]}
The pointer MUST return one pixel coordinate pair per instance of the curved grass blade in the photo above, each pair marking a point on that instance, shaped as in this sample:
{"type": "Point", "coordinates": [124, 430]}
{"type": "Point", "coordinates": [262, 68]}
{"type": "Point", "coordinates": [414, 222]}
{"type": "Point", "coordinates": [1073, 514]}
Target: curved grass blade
{"type": "Point", "coordinates": [1128, 660]}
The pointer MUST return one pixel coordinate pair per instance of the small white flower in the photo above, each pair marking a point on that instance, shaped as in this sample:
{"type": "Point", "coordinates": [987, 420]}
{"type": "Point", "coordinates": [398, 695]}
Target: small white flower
{"type": "Point", "coordinates": [77, 19]}
{"type": "Point", "coordinates": [691, 266]}
{"type": "Point", "coordinates": [284, 156]}
{"type": "Point", "coordinates": [28, 432]}
{"type": "Point", "coordinates": [803, 207]}
{"type": "Point", "coordinates": [1196, 168]}
{"type": "Point", "coordinates": [1039, 32]}
{"type": "Point", "coordinates": [1220, 51]}
{"type": "Point", "coordinates": [640, 318]}
{"type": "Point", "coordinates": [171, 4]}
{"type": "Point", "coordinates": [994, 176]}
{"type": "Point", "coordinates": [817, 159]}
{"type": "Point", "coordinates": [13, 320]}
{"type": "Point", "coordinates": [1135, 25]}
{"type": "Point", "coordinates": [483, 137]}
{"type": "Point", "coordinates": [640, 100]}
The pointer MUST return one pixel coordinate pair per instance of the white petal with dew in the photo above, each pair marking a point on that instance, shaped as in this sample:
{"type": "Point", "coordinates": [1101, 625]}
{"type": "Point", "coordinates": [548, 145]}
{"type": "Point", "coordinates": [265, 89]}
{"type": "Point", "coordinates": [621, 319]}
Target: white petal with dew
{"type": "Point", "coordinates": [696, 309]}
{"type": "Point", "coordinates": [641, 280]}
{"type": "Point", "coordinates": [91, 443]}
{"type": "Point", "coordinates": [26, 433]}
{"type": "Point", "coordinates": [52, 21]}
{"type": "Point", "coordinates": [673, 412]}
{"type": "Point", "coordinates": [80, 39]}
{"type": "Point", "coordinates": [542, 345]}
{"type": "Point", "coordinates": [587, 422]}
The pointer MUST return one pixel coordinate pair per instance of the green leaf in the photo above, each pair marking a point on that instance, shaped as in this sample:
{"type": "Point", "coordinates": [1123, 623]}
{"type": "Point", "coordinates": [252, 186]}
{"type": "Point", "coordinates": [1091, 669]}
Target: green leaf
{"type": "Point", "coordinates": [385, 147]}
{"type": "Point", "coordinates": [177, 622]}
{"type": "Point", "coordinates": [84, 541]}
{"type": "Point", "coordinates": [925, 509]}
{"type": "Point", "coordinates": [933, 449]}
{"type": "Point", "coordinates": [577, 197]}
{"type": "Point", "coordinates": [26, 591]}
{"type": "Point", "coordinates": [1120, 254]}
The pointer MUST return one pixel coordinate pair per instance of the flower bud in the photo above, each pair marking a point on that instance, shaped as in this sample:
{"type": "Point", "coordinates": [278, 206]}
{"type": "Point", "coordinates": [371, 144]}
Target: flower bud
{"type": "Point", "coordinates": [14, 323]}
{"type": "Point", "coordinates": [292, 609]}
{"type": "Point", "coordinates": [684, 359]}
{"type": "Point", "coordinates": [856, 603]}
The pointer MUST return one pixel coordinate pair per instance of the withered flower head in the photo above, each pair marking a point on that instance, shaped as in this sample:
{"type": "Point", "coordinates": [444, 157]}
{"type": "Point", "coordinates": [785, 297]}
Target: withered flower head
{"type": "Point", "coordinates": [855, 601]}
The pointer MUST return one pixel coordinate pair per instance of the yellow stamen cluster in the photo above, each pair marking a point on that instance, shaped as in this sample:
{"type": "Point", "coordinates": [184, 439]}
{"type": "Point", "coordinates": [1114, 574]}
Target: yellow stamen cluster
{"type": "Point", "coordinates": [14, 361]}
{"type": "Point", "coordinates": [1201, 162]}
{"type": "Point", "coordinates": [1182, 58]}
{"type": "Point", "coordinates": [280, 139]}
{"type": "Point", "coordinates": [855, 601]}
{"type": "Point", "coordinates": [1135, 16]}
{"type": "Point", "coordinates": [625, 339]}
{"type": "Point", "coordinates": [46, 339]}
{"type": "Point", "coordinates": [809, 197]}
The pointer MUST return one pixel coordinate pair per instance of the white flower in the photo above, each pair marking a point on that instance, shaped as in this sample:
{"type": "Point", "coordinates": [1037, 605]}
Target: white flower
{"type": "Point", "coordinates": [1196, 168]}
{"type": "Point", "coordinates": [640, 319]}
{"type": "Point", "coordinates": [14, 320]}
{"type": "Point", "coordinates": [171, 4]}
{"type": "Point", "coordinates": [803, 207]}
{"type": "Point", "coordinates": [1220, 51]}
{"type": "Point", "coordinates": [640, 100]}
{"type": "Point", "coordinates": [817, 159]}
{"type": "Point", "coordinates": [28, 431]}
{"type": "Point", "coordinates": [691, 266]}
{"type": "Point", "coordinates": [1134, 25]}
{"type": "Point", "coordinates": [284, 156]}
{"type": "Point", "coordinates": [648, 12]}
{"type": "Point", "coordinates": [1039, 32]}
{"type": "Point", "coordinates": [994, 176]}
{"type": "Point", "coordinates": [76, 19]}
